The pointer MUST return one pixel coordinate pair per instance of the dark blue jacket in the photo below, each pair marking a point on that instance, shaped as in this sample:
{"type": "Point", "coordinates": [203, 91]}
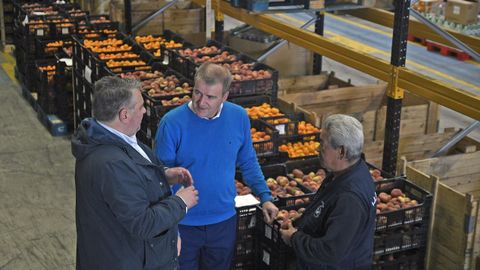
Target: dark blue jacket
{"type": "Point", "coordinates": [336, 231]}
{"type": "Point", "coordinates": [126, 216]}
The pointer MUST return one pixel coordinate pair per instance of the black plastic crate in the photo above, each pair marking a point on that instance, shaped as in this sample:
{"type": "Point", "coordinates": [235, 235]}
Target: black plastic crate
{"type": "Point", "coordinates": [418, 214]}
{"type": "Point", "coordinates": [269, 234]}
{"type": "Point", "coordinates": [400, 239]}
{"type": "Point", "coordinates": [271, 258]}
{"type": "Point", "coordinates": [250, 101]}
{"type": "Point", "coordinates": [274, 171]}
{"type": "Point", "coordinates": [47, 48]}
{"type": "Point", "coordinates": [64, 93]}
{"type": "Point", "coordinates": [45, 83]}
{"type": "Point", "coordinates": [304, 139]}
{"type": "Point", "coordinates": [164, 51]}
{"type": "Point", "coordinates": [268, 146]}
{"type": "Point", "coordinates": [183, 64]}
{"type": "Point", "coordinates": [407, 260]}
{"type": "Point", "coordinates": [267, 86]}
{"type": "Point", "coordinates": [245, 243]}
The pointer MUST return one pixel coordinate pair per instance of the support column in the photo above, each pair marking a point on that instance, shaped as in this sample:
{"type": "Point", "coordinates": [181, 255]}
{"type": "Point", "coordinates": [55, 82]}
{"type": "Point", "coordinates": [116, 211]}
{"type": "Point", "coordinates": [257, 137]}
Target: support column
{"type": "Point", "coordinates": [128, 16]}
{"type": "Point", "coordinates": [395, 94]}
{"type": "Point", "coordinates": [317, 58]}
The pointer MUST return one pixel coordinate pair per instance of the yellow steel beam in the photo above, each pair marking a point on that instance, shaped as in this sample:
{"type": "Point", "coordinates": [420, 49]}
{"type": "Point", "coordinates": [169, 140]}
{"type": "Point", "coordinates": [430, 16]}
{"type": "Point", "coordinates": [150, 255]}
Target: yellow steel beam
{"type": "Point", "coordinates": [371, 65]}
{"type": "Point", "coordinates": [415, 27]}
{"type": "Point", "coordinates": [433, 90]}
{"type": "Point", "coordinates": [437, 91]}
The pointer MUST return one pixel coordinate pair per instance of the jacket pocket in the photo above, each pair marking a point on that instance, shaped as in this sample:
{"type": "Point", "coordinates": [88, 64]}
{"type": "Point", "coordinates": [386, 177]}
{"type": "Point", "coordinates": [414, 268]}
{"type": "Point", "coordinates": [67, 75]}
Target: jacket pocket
{"type": "Point", "coordinates": [161, 251]}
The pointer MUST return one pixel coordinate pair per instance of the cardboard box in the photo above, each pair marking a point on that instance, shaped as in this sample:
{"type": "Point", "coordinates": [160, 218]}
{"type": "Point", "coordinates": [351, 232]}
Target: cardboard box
{"type": "Point", "coordinates": [462, 12]}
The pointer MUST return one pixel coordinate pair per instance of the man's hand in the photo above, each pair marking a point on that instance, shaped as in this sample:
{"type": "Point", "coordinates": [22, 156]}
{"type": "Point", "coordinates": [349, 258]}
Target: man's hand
{"type": "Point", "coordinates": [179, 175]}
{"type": "Point", "coordinates": [270, 211]}
{"type": "Point", "coordinates": [287, 233]}
{"type": "Point", "coordinates": [189, 195]}
{"type": "Point", "coordinates": [179, 245]}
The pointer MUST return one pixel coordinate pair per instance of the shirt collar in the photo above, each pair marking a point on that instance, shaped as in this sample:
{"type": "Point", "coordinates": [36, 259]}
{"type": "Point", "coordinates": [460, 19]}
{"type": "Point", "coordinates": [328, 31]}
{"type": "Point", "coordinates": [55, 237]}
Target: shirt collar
{"type": "Point", "coordinates": [130, 140]}
{"type": "Point", "coordinates": [190, 106]}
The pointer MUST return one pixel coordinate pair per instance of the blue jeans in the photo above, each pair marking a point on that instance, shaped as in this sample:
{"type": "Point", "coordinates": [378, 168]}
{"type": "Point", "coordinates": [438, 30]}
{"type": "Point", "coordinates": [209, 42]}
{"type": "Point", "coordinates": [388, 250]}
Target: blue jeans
{"type": "Point", "coordinates": [209, 247]}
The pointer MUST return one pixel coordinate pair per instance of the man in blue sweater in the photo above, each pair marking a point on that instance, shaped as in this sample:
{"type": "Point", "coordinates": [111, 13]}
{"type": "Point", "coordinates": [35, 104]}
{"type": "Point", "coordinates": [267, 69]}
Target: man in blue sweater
{"type": "Point", "coordinates": [211, 137]}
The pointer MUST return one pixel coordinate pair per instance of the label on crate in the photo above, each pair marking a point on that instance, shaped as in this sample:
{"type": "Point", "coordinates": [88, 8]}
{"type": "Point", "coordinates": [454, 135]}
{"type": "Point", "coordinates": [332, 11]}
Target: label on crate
{"type": "Point", "coordinates": [252, 223]}
{"type": "Point", "coordinates": [40, 32]}
{"type": "Point", "coordinates": [88, 74]}
{"type": "Point", "coordinates": [266, 257]}
{"type": "Point", "coordinates": [65, 31]}
{"type": "Point", "coordinates": [166, 60]}
{"type": "Point", "coordinates": [456, 10]}
{"type": "Point", "coordinates": [268, 231]}
{"type": "Point", "coordinates": [281, 129]}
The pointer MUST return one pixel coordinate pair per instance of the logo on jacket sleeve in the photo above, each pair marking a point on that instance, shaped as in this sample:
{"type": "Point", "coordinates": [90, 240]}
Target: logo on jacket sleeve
{"type": "Point", "coordinates": [318, 211]}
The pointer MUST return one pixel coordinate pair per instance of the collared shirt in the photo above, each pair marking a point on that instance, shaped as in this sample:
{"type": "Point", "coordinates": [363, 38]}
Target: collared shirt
{"type": "Point", "coordinates": [132, 141]}
{"type": "Point", "coordinates": [190, 106]}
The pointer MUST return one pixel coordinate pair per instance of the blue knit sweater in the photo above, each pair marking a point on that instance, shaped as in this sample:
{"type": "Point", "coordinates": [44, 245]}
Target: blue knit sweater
{"type": "Point", "coordinates": [211, 150]}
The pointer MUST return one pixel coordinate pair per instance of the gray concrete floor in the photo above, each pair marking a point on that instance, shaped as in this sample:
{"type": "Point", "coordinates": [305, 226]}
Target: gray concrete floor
{"type": "Point", "coordinates": [37, 192]}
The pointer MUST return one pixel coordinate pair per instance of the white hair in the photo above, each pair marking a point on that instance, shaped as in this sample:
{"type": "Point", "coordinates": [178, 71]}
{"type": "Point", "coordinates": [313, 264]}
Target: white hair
{"type": "Point", "coordinates": [346, 131]}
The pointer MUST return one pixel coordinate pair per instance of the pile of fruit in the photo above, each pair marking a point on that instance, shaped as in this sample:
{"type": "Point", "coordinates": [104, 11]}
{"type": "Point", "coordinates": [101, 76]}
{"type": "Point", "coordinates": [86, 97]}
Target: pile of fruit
{"type": "Point", "coordinates": [166, 86]}
{"type": "Point", "coordinates": [121, 55]}
{"type": "Point", "coordinates": [282, 187]}
{"type": "Point", "coordinates": [394, 201]}
{"type": "Point", "coordinates": [285, 217]}
{"type": "Point", "coordinates": [312, 180]}
{"type": "Point", "coordinates": [176, 101]}
{"type": "Point", "coordinates": [259, 136]}
{"type": "Point", "coordinates": [242, 189]}
{"type": "Point", "coordinates": [307, 128]}
{"type": "Point", "coordinates": [142, 75]}
{"type": "Point", "coordinates": [300, 149]}
{"type": "Point", "coordinates": [219, 58]}
{"type": "Point", "coordinates": [199, 51]}
{"type": "Point", "coordinates": [264, 110]}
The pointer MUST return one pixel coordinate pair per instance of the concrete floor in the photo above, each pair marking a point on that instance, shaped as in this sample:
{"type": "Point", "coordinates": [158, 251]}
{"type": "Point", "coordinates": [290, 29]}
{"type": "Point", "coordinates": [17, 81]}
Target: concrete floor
{"type": "Point", "coordinates": [37, 218]}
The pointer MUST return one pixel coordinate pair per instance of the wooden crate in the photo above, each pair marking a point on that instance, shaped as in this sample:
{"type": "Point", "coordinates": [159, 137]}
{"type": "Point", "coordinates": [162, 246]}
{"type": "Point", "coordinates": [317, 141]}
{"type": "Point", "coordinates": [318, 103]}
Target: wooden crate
{"type": "Point", "coordinates": [188, 19]}
{"type": "Point", "coordinates": [413, 147]}
{"type": "Point", "coordinates": [366, 103]}
{"type": "Point", "coordinates": [454, 242]}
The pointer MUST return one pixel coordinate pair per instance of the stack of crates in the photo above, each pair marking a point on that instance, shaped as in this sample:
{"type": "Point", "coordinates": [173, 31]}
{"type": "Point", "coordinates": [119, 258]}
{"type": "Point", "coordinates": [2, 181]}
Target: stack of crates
{"type": "Point", "coordinates": [43, 36]}
{"type": "Point", "coordinates": [251, 226]}
{"type": "Point", "coordinates": [8, 20]}
{"type": "Point", "coordinates": [401, 227]}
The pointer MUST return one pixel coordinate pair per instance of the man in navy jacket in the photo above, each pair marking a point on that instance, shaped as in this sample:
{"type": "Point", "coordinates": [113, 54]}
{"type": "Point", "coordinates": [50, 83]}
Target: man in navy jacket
{"type": "Point", "coordinates": [126, 215]}
{"type": "Point", "coordinates": [336, 230]}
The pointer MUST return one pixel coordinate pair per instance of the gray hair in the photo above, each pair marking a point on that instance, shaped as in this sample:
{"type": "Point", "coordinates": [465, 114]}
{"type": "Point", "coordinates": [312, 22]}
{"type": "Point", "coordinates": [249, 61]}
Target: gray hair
{"type": "Point", "coordinates": [212, 74]}
{"type": "Point", "coordinates": [346, 131]}
{"type": "Point", "coordinates": [110, 95]}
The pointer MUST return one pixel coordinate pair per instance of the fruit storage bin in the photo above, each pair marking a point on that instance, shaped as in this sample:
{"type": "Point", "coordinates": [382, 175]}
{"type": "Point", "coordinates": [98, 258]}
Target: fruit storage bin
{"type": "Point", "coordinates": [404, 216]}
{"type": "Point", "coordinates": [268, 236]}
{"type": "Point", "coordinates": [405, 260]}
{"type": "Point", "coordinates": [245, 244]}
{"type": "Point", "coordinates": [266, 147]}
{"type": "Point", "coordinates": [400, 239]}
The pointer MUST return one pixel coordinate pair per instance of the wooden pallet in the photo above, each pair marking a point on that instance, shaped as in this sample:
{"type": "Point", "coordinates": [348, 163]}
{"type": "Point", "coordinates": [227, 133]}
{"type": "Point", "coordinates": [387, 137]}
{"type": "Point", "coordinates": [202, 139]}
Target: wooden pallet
{"type": "Point", "coordinates": [413, 38]}
{"type": "Point", "coordinates": [447, 51]}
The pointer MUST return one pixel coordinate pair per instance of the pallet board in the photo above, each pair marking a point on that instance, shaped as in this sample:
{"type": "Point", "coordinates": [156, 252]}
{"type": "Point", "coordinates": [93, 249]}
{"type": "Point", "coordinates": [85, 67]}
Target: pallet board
{"type": "Point", "coordinates": [455, 237]}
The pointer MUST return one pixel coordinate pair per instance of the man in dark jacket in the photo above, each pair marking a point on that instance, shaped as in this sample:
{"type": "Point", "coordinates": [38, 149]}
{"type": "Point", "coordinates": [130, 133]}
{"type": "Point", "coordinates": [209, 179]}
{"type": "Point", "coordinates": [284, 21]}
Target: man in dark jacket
{"type": "Point", "coordinates": [336, 230]}
{"type": "Point", "coordinates": [126, 215]}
